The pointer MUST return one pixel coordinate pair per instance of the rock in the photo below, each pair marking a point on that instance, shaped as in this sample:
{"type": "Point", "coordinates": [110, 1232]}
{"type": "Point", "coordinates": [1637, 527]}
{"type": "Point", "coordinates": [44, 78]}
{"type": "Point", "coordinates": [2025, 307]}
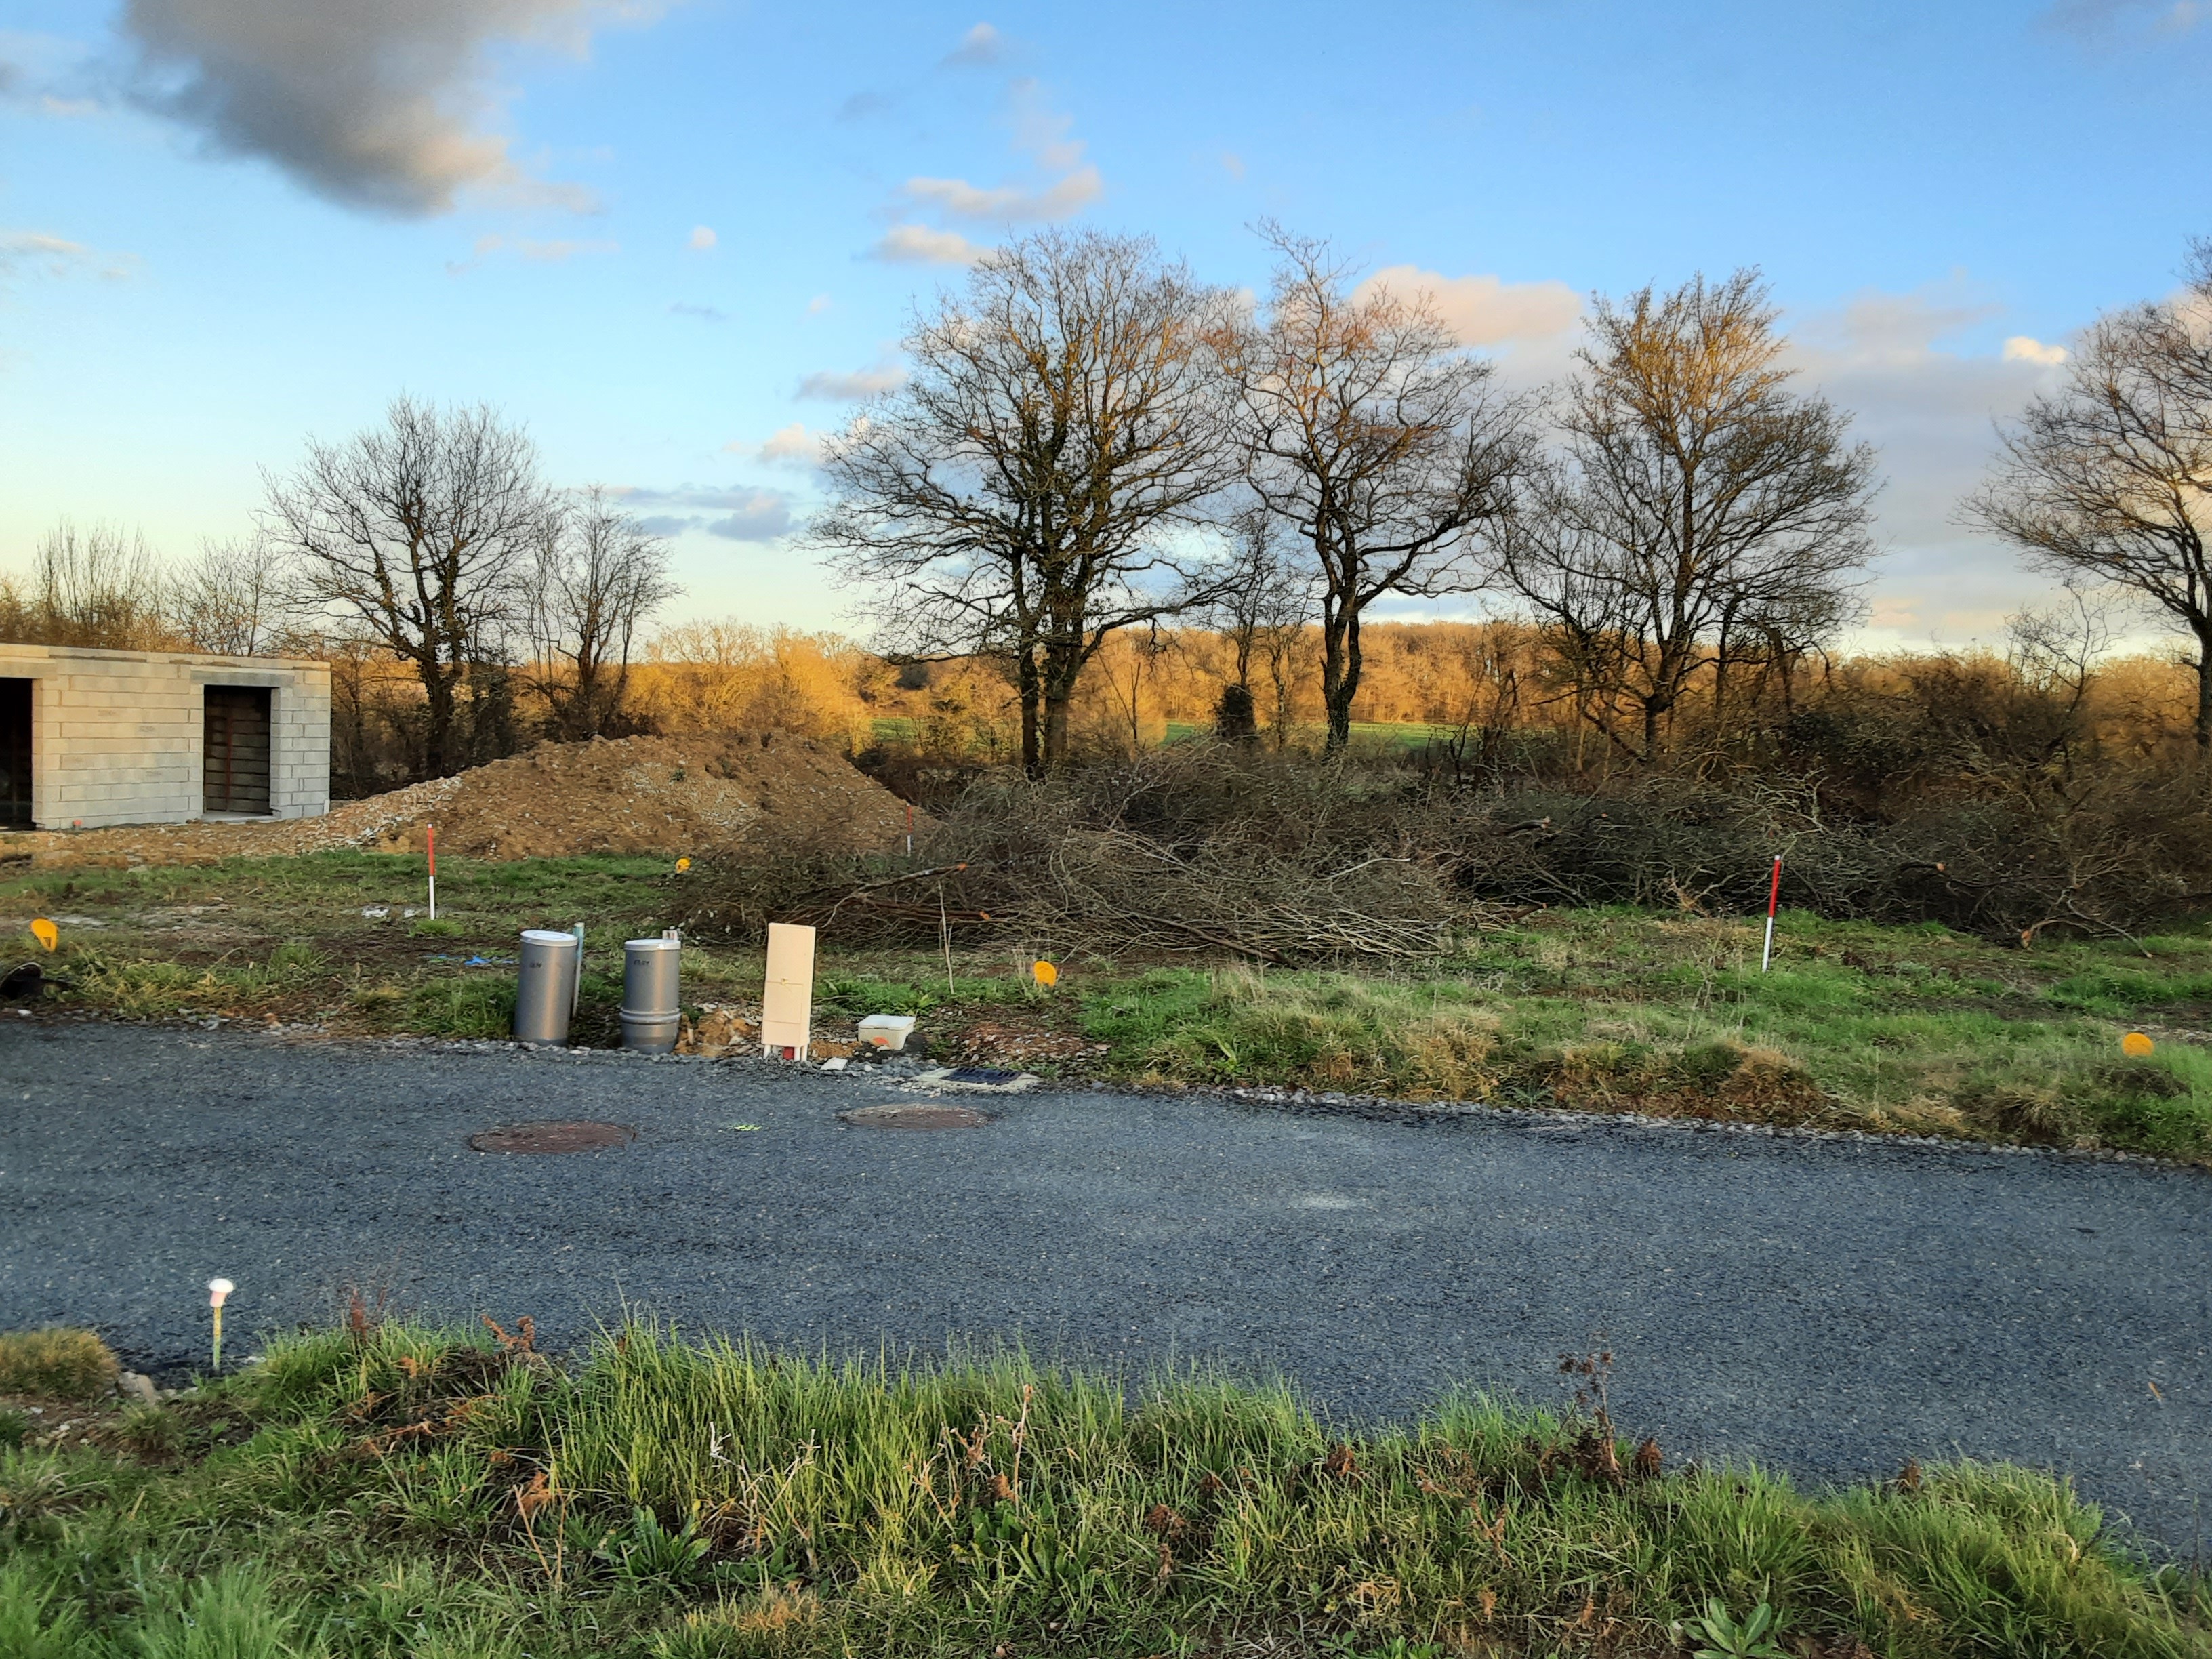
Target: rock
{"type": "Point", "coordinates": [131, 1385]}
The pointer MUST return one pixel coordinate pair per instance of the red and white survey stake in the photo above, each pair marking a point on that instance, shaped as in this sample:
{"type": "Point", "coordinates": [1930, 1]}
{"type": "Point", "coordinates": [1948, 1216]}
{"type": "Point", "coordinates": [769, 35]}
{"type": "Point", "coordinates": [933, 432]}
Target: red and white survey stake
{"type": "Point", "coordinates": [430, 830]}
{"type": "Point", "coordinates": [1773, 893]}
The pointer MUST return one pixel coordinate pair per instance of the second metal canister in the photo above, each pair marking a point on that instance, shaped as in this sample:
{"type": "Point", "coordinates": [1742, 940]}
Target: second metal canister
{"type": "Point", "coordinates": [545, 986]}
{"type": "Point", "coordinates": [652, 1010]}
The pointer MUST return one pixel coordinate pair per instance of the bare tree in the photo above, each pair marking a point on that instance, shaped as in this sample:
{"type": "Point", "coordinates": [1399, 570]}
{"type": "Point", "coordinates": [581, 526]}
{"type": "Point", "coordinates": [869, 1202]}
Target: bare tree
{"type": "Point", "coordinates": [598, 574]}
{"type": "Point", "coordinates": [1037, 483]}
{"type": "Point", "coordinates": [100, 587]}
{"type": "Point", "coordinates": [1380, 444]}
{"type": "Point", "coordinates": [1695, 494]}
{"type": "Point", "coordinates": [228, 600]}
{"type": "Point", "coordinates": [1264, 604]}
{"type": "Point", "coordinates": [420, 532]}
{"type": "Point", "coordinates": [2109, 478]}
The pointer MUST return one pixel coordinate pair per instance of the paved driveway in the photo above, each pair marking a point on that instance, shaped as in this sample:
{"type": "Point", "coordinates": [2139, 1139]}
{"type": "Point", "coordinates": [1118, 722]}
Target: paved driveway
{"type": "Point", "coordinates": [1831, 1306]}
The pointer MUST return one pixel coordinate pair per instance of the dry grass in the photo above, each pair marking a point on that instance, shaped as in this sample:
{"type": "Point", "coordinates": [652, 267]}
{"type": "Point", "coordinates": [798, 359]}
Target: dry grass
{"type": "Point", "coordinates": [56, 1362]}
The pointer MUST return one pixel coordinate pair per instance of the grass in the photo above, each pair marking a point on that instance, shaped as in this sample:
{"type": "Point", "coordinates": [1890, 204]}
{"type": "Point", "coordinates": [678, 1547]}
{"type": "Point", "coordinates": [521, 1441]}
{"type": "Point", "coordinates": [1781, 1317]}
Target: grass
{"type": "Point", "coordinates": [397, 1490]}
{"type": "Point", "coordinates": [61, 1364]}
{"type": "Point", "coordinates": [1892, 1029]}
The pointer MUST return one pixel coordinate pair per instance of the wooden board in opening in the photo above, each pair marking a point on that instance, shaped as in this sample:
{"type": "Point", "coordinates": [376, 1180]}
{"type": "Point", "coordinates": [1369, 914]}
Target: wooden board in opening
{"type": "Point", "coordinates": [236, 746]}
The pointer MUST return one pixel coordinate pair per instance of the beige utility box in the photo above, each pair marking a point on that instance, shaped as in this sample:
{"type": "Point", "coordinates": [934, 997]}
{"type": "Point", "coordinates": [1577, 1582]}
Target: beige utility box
{"type": "Point", "coordinates": [91, 738]}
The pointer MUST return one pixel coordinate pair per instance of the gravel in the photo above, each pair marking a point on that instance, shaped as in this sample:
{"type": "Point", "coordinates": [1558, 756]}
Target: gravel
{"type": "Point", "coordinates": [1829, 1306]}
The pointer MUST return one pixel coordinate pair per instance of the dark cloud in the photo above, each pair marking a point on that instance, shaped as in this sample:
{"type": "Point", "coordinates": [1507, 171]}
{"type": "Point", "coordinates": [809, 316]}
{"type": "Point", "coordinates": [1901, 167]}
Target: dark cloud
{"type": "Point", "coordinates": [704, 314]}
{"type": "Point", "coordinates": [762, 519]}
{"type": "Point", "coordinates": [665, 525]}
{"type": "Point", "coordinates": [862, 105]}
{"type": "Point", "coordinates": [687, 496]}
{"type": "Point", "coordinates": [383, 105]}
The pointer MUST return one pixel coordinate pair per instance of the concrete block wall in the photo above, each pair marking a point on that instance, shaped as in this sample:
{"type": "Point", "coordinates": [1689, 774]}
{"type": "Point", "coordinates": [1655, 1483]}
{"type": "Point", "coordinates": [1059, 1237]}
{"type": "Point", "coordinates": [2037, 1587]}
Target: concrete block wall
{"type": "Point", "coordinates": [116, 736]}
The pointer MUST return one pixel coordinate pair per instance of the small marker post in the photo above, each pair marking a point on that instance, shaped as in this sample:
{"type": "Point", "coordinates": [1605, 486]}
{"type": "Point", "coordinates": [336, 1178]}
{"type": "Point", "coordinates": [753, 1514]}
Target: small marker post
{"type": "Point", "coordinates": [430, 830]}
{"type": "Point", "coordinates": [1773, 894]}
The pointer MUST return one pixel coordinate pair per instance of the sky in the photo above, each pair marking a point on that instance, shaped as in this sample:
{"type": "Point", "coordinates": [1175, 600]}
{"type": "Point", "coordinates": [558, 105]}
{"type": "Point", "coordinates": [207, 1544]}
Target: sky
{"type": "Point", "coordinates": [680, 239]}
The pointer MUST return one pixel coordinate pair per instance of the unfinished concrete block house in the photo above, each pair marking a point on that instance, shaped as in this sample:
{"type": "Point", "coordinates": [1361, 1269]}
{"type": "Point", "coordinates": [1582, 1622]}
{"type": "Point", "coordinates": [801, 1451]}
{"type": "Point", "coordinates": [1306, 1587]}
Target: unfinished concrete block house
{"type": "Point", "coordinates": [90, 737]}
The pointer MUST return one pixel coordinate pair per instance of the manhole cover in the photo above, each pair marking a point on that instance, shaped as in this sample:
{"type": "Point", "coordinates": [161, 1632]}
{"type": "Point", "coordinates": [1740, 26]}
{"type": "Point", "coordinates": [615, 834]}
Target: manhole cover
{"type": "Point", "coordinates": [915, 1117]}
{"type": "Point", "coordinates": [564, 1137]}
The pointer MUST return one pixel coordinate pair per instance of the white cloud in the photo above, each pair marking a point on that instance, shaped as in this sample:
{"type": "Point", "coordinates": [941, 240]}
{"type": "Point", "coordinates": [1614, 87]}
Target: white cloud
{"type": "Point", "coordinates": [1929, 407]}
{"type": "Point", "coordinates": [551, 252]}
{"type": "Point", "coordinates": [383, 105]}
{"type": "Point", "coordinates": [834, 388]}
{"type": "Point", "coordinates": [922, 245]}
{"type": "Point", "coordinates": [1233, 164]}
{"type": "Point", "coordinates": [1007, 202]}
{"type": "Point", "coordinates": [1486, 310]}
{"type": "Point", "coordinates": [979, 48]}
{"type": "Point", "coordinates": [2026, 349]}
{"type": "Point", "coordinates": [1040, 132]}
{"type": "Point", "coordinates": [2097, 18]}
{"type": "Point", "coordinates": [40, 253]}
{"type": "Point", "coordinates": [818, 305]}
{"type": "Point", "coordinates": [792, 446]}
{"type": "Point", "coordinates": [1070, 185]}
{"type": "Point", "coordinates": [702, 237]}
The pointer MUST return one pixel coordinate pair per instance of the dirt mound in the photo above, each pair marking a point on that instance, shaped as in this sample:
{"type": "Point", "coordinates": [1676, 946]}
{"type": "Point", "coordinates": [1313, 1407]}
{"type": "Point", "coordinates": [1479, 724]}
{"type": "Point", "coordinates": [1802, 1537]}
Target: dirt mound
{"type": "Point", "coordinates": [672, 795]}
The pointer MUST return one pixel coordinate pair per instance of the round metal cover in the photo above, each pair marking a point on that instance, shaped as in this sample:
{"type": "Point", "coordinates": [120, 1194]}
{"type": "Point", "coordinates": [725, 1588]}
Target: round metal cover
{"type": "Point", "coordinates": [915, 1117]}
{"type": "Point", "coordinates": [566, 1136]}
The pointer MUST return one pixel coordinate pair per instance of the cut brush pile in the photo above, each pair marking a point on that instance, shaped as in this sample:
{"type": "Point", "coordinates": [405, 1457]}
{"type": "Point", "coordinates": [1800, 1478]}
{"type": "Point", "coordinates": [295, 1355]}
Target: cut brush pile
{"type": "Point", "coordinates": [1199, 849]}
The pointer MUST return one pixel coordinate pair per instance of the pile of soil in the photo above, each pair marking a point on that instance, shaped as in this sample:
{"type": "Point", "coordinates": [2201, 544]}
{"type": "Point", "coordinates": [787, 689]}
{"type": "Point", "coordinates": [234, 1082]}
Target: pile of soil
{"type": "Point", "coordinates": [677, 796]}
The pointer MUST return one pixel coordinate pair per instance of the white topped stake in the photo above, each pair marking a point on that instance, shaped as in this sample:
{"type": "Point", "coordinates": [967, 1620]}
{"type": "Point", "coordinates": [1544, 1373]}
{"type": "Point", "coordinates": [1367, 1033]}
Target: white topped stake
{"type": "Point", "coordinates": [787, 996]}
{"type": "Point", "coordinates": [1773, 893]}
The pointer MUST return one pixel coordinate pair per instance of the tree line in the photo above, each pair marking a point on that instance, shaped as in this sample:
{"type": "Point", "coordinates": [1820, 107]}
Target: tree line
{"type": "Point", "coordinates": [1092, 440]}
{"type": "Point", "coordinates": [1095, 452]}
{"type": "Point", "coordinates": [432, 541]}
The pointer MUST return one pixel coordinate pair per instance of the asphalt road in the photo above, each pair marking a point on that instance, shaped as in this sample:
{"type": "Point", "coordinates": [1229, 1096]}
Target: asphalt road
{"type": "Point", "coordinates": [1831, 1307]}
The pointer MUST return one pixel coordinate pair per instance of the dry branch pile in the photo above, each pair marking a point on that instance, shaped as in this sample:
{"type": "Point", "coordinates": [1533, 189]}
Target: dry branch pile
{"type": "Point", "coordinates": [1201, 848]}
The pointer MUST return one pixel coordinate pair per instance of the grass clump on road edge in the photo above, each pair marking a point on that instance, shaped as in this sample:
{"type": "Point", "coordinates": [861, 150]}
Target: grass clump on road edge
{"type": "Point", "coordinates": [403, 1491]}
{"type": "Point", "coordinates": [57, 1362]}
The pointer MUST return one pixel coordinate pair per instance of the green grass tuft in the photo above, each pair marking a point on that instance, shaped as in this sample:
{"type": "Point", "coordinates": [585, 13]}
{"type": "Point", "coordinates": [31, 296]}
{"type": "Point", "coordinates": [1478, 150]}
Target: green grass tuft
{"type": "Point", "coordinates": [419, 1491]}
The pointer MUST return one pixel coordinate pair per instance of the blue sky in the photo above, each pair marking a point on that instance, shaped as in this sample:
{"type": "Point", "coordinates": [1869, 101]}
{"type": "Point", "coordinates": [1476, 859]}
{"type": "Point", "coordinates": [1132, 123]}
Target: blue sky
{"type": "Point", "coordinates": [676, 238]}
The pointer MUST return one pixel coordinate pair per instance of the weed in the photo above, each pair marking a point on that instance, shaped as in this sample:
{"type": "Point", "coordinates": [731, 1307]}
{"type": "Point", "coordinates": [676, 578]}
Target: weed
{"type": "Point", "coordinates": [1722, 1636]}
{"type": "Point", "coordinates": [56, 1362]}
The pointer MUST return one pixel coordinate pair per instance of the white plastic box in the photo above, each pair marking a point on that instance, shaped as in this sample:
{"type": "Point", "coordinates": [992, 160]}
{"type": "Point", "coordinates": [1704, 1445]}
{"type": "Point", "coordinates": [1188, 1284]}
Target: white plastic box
{"type": "Point", "coordinates": [886, 1030]}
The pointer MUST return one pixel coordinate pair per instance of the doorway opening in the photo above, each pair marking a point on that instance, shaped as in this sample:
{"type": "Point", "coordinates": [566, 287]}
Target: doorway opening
{"type": "Point", "coordinates": [235, 733]}
{"type": "Point", "coordinates": [15, 754]}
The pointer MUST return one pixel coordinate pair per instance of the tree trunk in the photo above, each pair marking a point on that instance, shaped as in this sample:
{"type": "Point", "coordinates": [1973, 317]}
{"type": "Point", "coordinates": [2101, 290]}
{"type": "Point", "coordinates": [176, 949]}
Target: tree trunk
{"type": "Point", "coordinates": [1340, 675]}
{"type": "Point", "coordinates": [1026, 683]}
{"type": "Point", "coordinates": [2204, 688]}
{"type": "Point", "coordinates": [1063, 667]}
{"type": "Point", "coordinates": [440, 718]}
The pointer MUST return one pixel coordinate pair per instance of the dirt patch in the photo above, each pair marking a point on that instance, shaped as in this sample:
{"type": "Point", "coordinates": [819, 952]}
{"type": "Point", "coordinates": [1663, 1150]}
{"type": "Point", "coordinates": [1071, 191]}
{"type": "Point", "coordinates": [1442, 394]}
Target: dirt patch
{"type": "Point", "coordinates": [677, 796]}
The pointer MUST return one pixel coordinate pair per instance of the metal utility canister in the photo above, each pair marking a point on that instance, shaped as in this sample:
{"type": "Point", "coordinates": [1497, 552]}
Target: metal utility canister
{"type": "Point", "coordinates": [651, 969]}
{"type": "Point", "coordinates": [545, 985]}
